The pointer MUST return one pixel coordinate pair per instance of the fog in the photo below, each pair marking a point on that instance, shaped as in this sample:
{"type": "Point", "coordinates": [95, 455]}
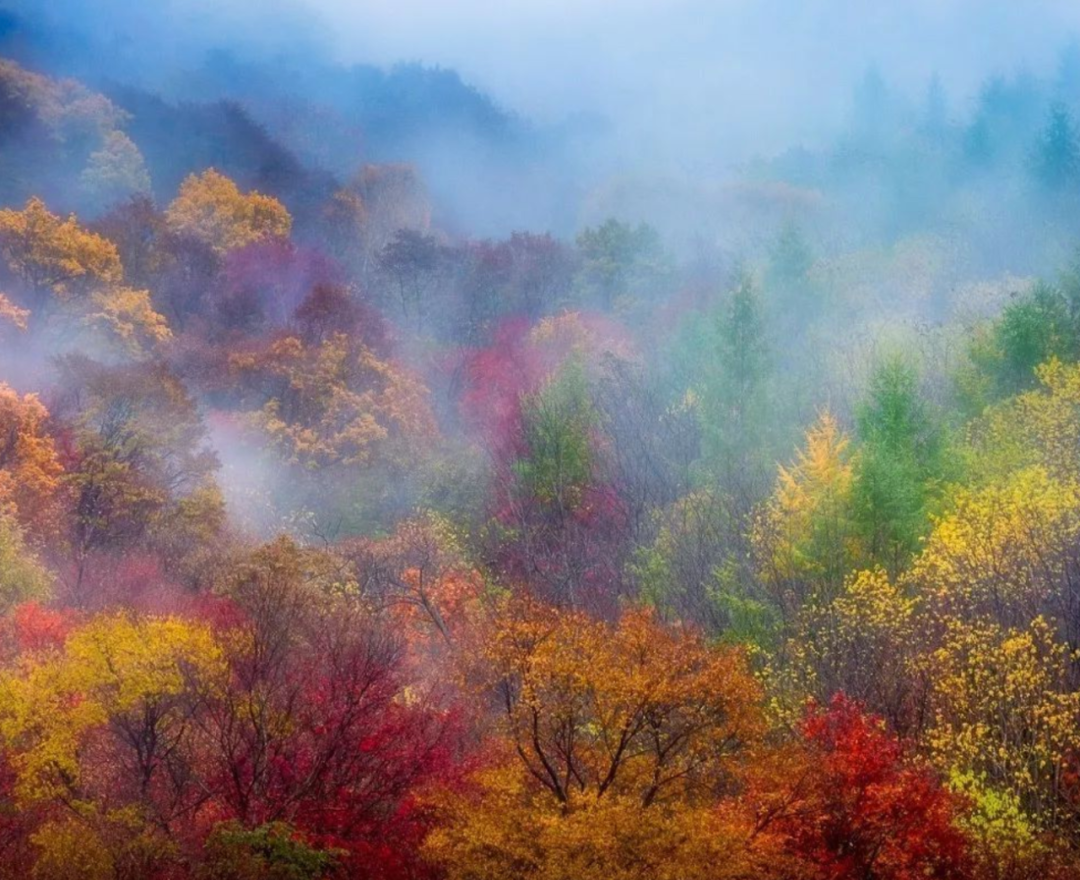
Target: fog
{"type": "Point", "coordinates": [732, 77]}
{"type": "Point", "coordinates": [665, 90]}
{"type": "Point", "coordinates": [549, 59]}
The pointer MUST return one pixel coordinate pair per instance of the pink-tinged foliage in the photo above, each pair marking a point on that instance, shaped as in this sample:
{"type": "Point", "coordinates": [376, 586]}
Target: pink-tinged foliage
{"type": "Point", "coordinates": [330, 308]}
{"type": "Point", "coordinates": [496, 379]}
{"type": "Point", "coordinates": [135, 580]}
{"type": "Point", "coordinates": [262, 284]}
{"type": "Point", "coordinates": [31, 627]}
{"type": "Point", "coordinates": [567, 546]}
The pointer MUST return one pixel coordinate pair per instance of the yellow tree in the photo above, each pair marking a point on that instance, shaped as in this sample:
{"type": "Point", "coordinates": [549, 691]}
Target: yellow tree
{"type": "Point", "coordinates": [30, 469]}
{"type": "Point", "coordinates": [615, 741]}
{"type": "Point", "coordinates": [1006, 551]}
{"type": "Point", "coordinates": [1039, 427]}
{"type": "Point", "coordinates": [803, 540]}
{"type": "Point", "coordinates": [212, 208]}
{"type": "Point", "coordinates": [12, 314]}
{"type": "Point", "coordinates": [1005, 718]}
{"type": "Point", "coordinates": [862, 643]}
{"type": "Point", "coordinates": [127, 317]}
{"type": "Point", "coordinates": [132, 681]}
{"type": "Point", "coordinates": [336, 403]}
{"type": "Point", "coordinates": [105, 728]}
{"type": "Point", "coordinates": [55, 262]}
{"type": "Point", "coordinates": [55, 257]}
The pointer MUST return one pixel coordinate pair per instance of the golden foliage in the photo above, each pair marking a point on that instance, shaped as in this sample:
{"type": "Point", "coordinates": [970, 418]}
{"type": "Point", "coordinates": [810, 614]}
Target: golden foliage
{"type": "Point", "coordinates": [508, 831]}
{"type": "Point", "coordinates": [803, 540]}
{"type": "Point", "coordinates": [1039, 427]}
{"type": "Point", "coordinates": [212, 208]}
{"type": "Point", "coordinates": [634, 707]}
{"type": "Point", "coordinates": [1003, 549]}
{"type": "Point", "coordinates": [337, 403]}
{"type": "Point", "coordinates": [862, 642]}
{"type": "Point", "coordinates": [115, 670]}
{"type": "Point", "coordinates": [30, 469]}
{"type": "Point", "coordinates": [128, 316]}
{"type": "Point", "coordinates": [56, 256]}
{"type": "Point", "coordinates": [12, 313]}
{"type": "Point", "coordinates": [1003, 712]}
{"type": "Point", "coordinates": [612, 744]}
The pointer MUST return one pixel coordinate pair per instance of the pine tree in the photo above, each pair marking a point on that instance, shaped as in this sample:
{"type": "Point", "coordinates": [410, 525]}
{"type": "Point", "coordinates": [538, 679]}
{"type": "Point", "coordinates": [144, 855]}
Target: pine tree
{"type": "Point", "coordinates": [1057, 155]}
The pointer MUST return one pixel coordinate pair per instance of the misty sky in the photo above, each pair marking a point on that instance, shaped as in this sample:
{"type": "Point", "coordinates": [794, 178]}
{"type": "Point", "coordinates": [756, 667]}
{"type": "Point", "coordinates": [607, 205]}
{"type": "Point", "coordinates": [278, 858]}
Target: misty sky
{"type": "Point", "coordinates": [682, 81]}
{"type": "Point", "coordinates": [772, 67]}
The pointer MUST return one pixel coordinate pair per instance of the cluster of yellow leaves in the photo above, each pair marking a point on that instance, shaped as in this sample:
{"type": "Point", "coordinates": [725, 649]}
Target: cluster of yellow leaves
{"type": "Point", "coordinates": [128, 316]}
{"type": "Point", "coordinates": [60, 262]}
{"type": "Point", "coordinates": [510, 831]}
{"type": "Point", "coordinates": [339, 405]}
{"type": "Point", "coordinates": [634, 708]}
{"type": "Point", "coordinates": [564, 330]}
{"type": "Point", "coordinates": [803, 539]}
{"type": "Point", "coordinates": [86, 845]}
{"type": "Point", "coordinates": [970, 629]}
{"type": "Point", "coordinates": [212, 208]}
{"type": "Point", "coordinates": [53, 255]}
{"type": "Point", "coordinates": [67, 850]}
{"type": "Point", "coordinates": [1003, 712]}
{"type": "Point", "coordinates": [115, 670]}
{"type": "Point", "coordinates": [12, 313]}
{"type": "Point", "coordinates": [862, 643]}
{"type": "Point", "coordinates": [1002, 549]}
{"type": "Point", "coordinates": [1039, 427]}
{"type": "Point", "coordinates": [30, 469]}
{"type": "Point", "coordinates": [1008, 842]}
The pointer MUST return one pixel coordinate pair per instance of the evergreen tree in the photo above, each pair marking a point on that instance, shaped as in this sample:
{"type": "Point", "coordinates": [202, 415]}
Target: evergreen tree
{"type": "Point", "coordinates": [790, 259]}
{"type": "Point", "coordinates": [1057, 154]}
{"type": "Point", "coordinates": [735, 394]}
{"type": "Point", "coordinates": [900, 466]}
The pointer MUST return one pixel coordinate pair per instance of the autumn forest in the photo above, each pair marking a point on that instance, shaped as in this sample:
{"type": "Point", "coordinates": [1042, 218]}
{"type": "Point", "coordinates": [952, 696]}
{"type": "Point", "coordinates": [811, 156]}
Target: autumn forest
{"type": "Point", "coordinates": [394, 486]}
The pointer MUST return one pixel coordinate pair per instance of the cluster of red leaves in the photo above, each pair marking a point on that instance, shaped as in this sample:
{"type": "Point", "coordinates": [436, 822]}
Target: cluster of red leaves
{"type": "Point", "coordinates": [869, 810]}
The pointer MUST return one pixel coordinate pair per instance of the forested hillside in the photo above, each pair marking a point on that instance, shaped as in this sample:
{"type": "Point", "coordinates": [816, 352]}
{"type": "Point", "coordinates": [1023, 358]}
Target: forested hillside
{"type": "Point", "coordinates": [713, 532]}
